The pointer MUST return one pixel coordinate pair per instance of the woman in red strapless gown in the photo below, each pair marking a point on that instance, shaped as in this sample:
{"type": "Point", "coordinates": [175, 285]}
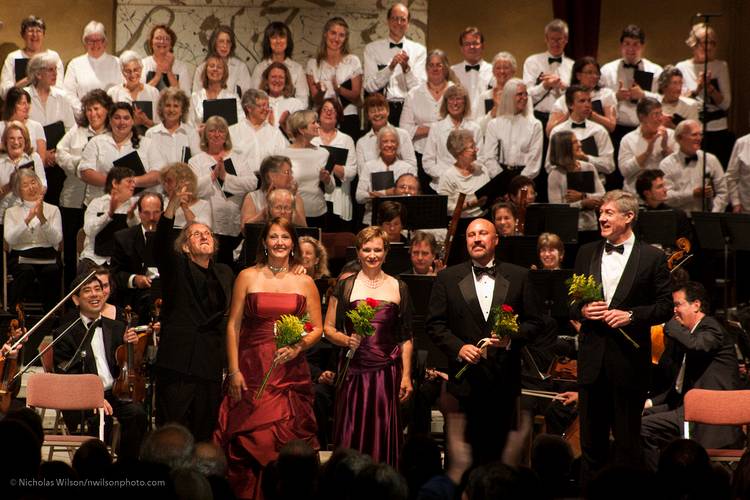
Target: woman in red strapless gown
{"type": "Point", "coordinates": [252, 431]}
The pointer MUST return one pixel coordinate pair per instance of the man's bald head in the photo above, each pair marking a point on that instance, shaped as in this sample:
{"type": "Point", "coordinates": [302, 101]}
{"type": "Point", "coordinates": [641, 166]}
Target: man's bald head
{"type": "Point", "coordinates": [481, 241]}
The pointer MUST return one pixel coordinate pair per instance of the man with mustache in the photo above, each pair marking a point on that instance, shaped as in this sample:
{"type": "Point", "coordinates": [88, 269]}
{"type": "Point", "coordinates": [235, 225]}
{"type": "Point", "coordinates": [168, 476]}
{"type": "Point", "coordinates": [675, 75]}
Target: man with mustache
{"type": "Point", "coordinates": [459, 318]}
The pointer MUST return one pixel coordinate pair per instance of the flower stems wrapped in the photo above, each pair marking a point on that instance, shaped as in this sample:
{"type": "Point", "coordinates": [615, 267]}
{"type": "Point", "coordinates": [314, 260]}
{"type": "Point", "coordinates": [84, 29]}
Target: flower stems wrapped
{"type": "Point", "coordinates": [287, 331]}
{"type": "Point", "coordinates": [504, 323]}
{"type": "Point", "coordinates": [361, 318]}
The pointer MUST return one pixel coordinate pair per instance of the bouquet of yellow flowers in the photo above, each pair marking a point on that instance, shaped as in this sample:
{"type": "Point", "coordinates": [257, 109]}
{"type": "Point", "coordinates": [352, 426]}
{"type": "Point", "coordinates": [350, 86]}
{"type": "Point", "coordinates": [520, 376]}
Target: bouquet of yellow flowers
{"type": "Point", "coordinates": [361, 318]}
{"type": "Point", "coordinates": [504, 322]}
{"type": "Point", "coordinates": [287, 331]}
{"type": "Point", "coordinates": [583, 289]}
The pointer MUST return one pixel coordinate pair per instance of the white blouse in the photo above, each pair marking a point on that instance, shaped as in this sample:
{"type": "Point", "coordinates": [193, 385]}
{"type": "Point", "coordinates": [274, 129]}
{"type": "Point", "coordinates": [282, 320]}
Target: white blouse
{"type": "Point", "coordinates": [59, 107]}
{"type": "Point", "coordinates": [306, 166]}
{"type": "Point", "coordinates": [119, 93]}
{"type": "Point", "coordinates": [420, 110]}
{"type": "Point", "coordinates": [266, 141]}
{"type": "Point", "coordinates": [436, 154]}
{"type": "Point", "coordinates": [557, 186]}
{"type": "Point", "coordinates": [349, 67]}
{"type": "Point", "coordinates": [96, 218]}
{"type": "Point", "coordinates": [512, 140]}
{"type": "Point", "coordinates": [200, 208]}
{"type": "Point", "coordinates": [179, 68]}
{"type": "Point", "coordinates": [196, 104]}
{"type": "Point", "coordinates": [299, 81]}
{"type": "Point", "coordinates": [364, 185]}
{"type": "Point", "coordinates": [280, 105]}
{"type": "Point", "coordinates": [720, 71]}
{"type": "Point", "coordinates": [367, 149]}
{"type": "Point", "coordinates": [168, 147]}
{"type": "Point", "coordinates": [68, 155]}
{"type": "Point", "coordinates": [239, 76]}
{"type": "Point", "coordinates": [8, 166]}
{"type": "Point", "coordinates": [21, 236]}
{"type": "Point", "coordinates": [35, 129]}
{"type": "Point", "coordinates": [86, 73]}
{"type": "Point", "coordinates": [632, 145]}
{"type": "Point", "coordinates": [8, 74]}
{"type": "Point", "coordinates": [452, 183]}
{"type": "Point", "coordinates": [341, 195]}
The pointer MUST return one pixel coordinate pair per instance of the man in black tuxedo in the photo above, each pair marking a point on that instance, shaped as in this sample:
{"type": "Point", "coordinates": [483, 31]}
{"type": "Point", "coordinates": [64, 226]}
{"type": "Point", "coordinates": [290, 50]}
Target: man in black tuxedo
{"type": "Point", "coordinates": [704, 358]}
{"type": "Point", "coordinates": [89, 347]}
{"type": "Point", "coordinates": [197, 293]}
{"type": "Point", "coordinates": [457, 321]}
{"type": "Point", "coordinates": [613, 374]}
{"type": "Point", "coordinates": [133, 264]}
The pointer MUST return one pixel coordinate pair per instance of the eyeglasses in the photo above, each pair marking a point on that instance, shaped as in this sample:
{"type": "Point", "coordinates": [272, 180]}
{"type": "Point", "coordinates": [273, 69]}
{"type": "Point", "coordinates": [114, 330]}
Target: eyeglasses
{"type": "Point", "coordinates": [95, 41]}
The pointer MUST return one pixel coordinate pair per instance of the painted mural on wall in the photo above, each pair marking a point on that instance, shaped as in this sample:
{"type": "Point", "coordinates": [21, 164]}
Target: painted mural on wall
{"type": "Point", "coordinates": [194, 20]}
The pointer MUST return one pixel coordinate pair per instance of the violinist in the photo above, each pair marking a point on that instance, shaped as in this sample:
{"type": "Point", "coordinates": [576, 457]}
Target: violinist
{"type": "Point", "coordinates": [9, 362]}
{"type": "Point", "coordinates": [89, 347]}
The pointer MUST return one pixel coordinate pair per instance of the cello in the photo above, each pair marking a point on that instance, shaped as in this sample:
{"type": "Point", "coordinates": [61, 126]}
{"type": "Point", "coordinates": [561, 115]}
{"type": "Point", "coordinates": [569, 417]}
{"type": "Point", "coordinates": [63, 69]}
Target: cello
{"type": "Point", "coordinates": [130, 384]}
{"type": "Point", "coordinates": [10, 385]}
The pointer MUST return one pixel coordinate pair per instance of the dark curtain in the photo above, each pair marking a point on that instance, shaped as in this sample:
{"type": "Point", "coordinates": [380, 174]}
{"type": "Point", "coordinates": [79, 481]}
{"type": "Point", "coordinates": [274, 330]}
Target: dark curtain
{"type": "Point", "coordinates": [582, 17]}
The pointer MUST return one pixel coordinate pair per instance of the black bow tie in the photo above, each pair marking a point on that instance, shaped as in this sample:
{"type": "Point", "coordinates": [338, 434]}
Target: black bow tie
{"type": "Point", "coordinates": [690, 159]}
{"type": "Point", "coordinates": [399, 45]}
{"type": "Point", "coordinates": [471, 67]}
{"type": "Point", "coordinates": [631, 66]}
{"type": "Point", "coordinates": [609, 248]}
{"type": "Point", "coordinates": [479, 271]}
{"type": "Point", "coordinates": [92, 325]}
{"type": "Point", "coordinates": [578, 125]}
{"type": "Point", "coordinates": [557, 60]}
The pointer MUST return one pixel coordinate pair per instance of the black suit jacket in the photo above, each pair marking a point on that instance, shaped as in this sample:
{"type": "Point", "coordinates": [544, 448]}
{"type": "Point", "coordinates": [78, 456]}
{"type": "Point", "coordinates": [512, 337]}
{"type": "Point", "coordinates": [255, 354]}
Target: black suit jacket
{"type": "Point", "coordinates": [191, 341]}
{"type": "Point", "coordinates": [64, 350]}
{"type": "Point", "coordinates": [644, 288]}
{"type": "Point", "coordinates": [128, 257]}
{"type": "Point", "coordinates": [455, 318]}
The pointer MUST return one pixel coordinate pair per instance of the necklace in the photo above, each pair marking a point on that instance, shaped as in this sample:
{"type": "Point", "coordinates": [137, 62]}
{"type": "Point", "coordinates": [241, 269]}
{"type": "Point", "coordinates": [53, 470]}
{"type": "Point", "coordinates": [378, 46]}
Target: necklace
{"type": "Point", "coordinates": [373, 283]}
{"type": "Point", "coordinates": [276, 270]}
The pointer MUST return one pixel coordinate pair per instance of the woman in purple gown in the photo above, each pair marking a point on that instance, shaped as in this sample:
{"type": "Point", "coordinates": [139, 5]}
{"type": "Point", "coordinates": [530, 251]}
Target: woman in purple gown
{"type": "Point", "coordinates": [252, 431]}
{"type": "Point", "coordinates": [379, 375]}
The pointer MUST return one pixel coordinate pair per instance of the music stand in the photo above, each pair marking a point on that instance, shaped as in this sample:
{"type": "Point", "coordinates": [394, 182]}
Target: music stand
{"type": "Point", "coordinates": [560, 219]}
{"type": "Point", "coordinates": [518, 250]}
{"type": "Point", "coordinates": [420, 290]}
{"type": "Point", "coordinates": [712, 234]}
{"type": "Point", "coordinates": [550, 286]}
{"type": "Point", "coordinates": [657, 226]}
{"type": "Point", "coordinates": [426, 211]}
{"type": "Point", "coordinates": [397, 261]}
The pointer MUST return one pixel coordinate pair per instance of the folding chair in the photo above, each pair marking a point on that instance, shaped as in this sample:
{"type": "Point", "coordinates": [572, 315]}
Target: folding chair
{"type": "Point", "coordinates": [705, 406]}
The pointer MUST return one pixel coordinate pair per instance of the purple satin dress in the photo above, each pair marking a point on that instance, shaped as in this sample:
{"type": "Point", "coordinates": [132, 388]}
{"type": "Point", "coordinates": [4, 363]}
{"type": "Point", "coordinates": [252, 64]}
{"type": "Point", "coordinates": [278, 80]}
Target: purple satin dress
{"type": "Point", "coordinates": [252, 432]}
{"type": "Point", "coordinates": [367, 406]}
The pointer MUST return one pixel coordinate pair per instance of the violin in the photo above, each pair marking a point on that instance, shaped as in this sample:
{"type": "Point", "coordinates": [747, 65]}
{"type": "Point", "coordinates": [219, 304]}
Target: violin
{"type": "Point", "coordinates": [679, 256]}
{"type": "Point", "coordinates": [130, 384]}
{"type": "Point", "coordinates": [9, 362]}
{"type": "Point", "coordinates": [453, 226]}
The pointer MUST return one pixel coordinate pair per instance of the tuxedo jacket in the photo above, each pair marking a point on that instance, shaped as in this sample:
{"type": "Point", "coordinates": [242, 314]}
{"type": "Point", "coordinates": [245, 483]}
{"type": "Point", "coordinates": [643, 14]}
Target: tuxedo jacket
{"type": "Point", "coordinates": [112, 332]}
{"type": "Point", "coordinates": [644, 288]}
{"type": "Point", "coordinates": [455, 318]}
{"type": "Point", "coordinates": [192, 336]}
{"type": "Point", "coordinates": [129, 256]}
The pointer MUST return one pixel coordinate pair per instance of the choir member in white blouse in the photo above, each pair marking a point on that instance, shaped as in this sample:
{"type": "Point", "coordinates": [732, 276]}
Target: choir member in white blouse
{"type": "Point", "coordinates": [719, 140]}
{"type": "Point", "coordinates": [738, 175]}
{"type": "Point", "coordinates": [674, 106]}
{"type": "Point", "coordinates": [121, 139]}
{"type": "Point", "coordinates": [17, 152]}
{"type": "Point", "coordinates": [454, 111]}
{"type": "Point", "coordinates": [117, 200]}
{"type": "Point", "coordinates": [174, 139]}
{"type": "Point", "coordinates": [586, 73]}
{"type": "Point", "coordinates": [388, 159]}
{"type": "Point", "coordinates": [278, 46]}
{"type": "Point", "coordinates": [95, 69]}
{"type": "Point", "coordinates": [645, 147]}
{"type": "Point", "coordinates": [214, 80]}
{"type": "Point", "coordinates": [33, 230]}
{"type": "Point", "coordinates": [33, 31]}
{"type": "Point", "coordinates": [308, 165]}
{"type": "Point", "coordinates": [253, 134]}
{"type": "Point", "coordinates": [224, 189]}
{"type": "Point", "coordinates": [133, 89]}
{"type": "Point", "coordinates": [503, 69]}
{"type": "Point", "coordinates": [17, 107]}
{"type": "Point", "coordinates": [513, 141]}
{"type": "Point", "coordinates": [474, 73]}
{"type": "Point", "coordinates": [275, 175]}
{"type": "Point", "coordinates": [276, 81]}
{"type": "Point", "coordinates": [567, 157]}
{"type": "Point", "coordinates": [422, 105]}
{"type": "Point", "coordinates": [179, 176]}
{"type": "Point", "coordinates": [334, 72]}
{"type": "Point", "coordinates": [330, 113]}
{"type": "Point", "coordinates": [223, 43]}
{"type": "Point", "coordinates": [91, 121]}
{"type": "Point", "coordinates": [465, 176]}
{"type": "Point", "coordinates": [377, 110]}
{"type": "Point", "coordinates": [167, 71]}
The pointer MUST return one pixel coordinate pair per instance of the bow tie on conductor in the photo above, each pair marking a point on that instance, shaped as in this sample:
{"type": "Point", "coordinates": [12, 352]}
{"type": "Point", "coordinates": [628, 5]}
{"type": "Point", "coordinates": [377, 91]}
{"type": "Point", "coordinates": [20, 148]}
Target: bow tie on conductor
{"type": "Point", "coordinates": [609, 248]}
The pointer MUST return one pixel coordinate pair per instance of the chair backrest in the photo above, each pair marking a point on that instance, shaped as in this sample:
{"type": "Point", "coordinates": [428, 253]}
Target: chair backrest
{"type": "Point", "coordinates": [337, 243]}
{"type": "Point", "coordinates": [717, 407]}
{"type": "Point", "coordinates": [48, 358]}
{"type": "Point", "coordinates": [65, 392]}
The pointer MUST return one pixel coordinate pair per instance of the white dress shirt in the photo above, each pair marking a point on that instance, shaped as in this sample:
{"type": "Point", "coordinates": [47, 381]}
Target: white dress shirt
{"type": "Point", "coordinates": [68, 155]}
{"type": "Point", "coordinates": [394, 82]}
{"type": "Point", "coordinates": [680, 181]}
{"type": "Point", "coordinates": [614, 72]}
{"type": "Point", "coordinates": [168, 147]}
{"type": "Point", "coordinates": [436, 155]}
{"type": "Point", "coordinates": [306, 166]}
{"type": "Point", "coordinates": [239, 76]}
{"type": "Point", "coordinates": [180, 69]}
{"type": "Point", "coordinates": [452, 183]}
{"type": "Point", "coordinates": [100, 354]}
{"type": "Point", "coordinates": [96, 218]}
{"type": "Point", "coordinates": [738, 174]}
{"type": "Point", "coordinates": [86, 73]}
{"type": "Point", "coordinates": [557, 186]}
{"type": "Point", "coordinates": [364, 185]}
{"type": "Point", "coordinates": [280, 105]}
{"type": "Point", "coordinates": [367, 149]}
{"type": "Point", "coordinates": [226, 199]}
{"type": "Point", "coordinates": [59, 107]}
{"type": "Point", "coordinates": [485, 288]}
{"type": "Point", "coordinates": [686, 107]}
{"type": "Point", "coordinates": [420, 110]}
{"type": "Point", "coordinates": [8, 166]}
{"type": "Point", "coordinates": [301, 91]}
{"type": "Point", "coordinates": [349, 67]}
{"type": "Point", "coordinates": [8, 74]}
{"type": "Point", "coordinates": [720, 71]}
{"type": "Point", "coordinates": [613, 265]}
{"type": "Point", "coordinates": [476, 83]}
{"type": "Point", "coordinates": [604, 95]}
{"type": "Point", "coordinates": [119, 93]}
{"type": "Point", "coordinates": [265, 141]}
{"type": "Point", "coordinates": [512, 140]}
{"type": "Point", "coordinates": [20, 236]}
{"type": "Point", "coordinates": [341, 195]}
{"type": "Point", "coordinates": [196, 104]}
{"type": "Point", "coordinates": [632, 145]}
{"type": "Point", "coordinates": [605, 160]}
{"type": "Point", "coordinates": [534, 65]}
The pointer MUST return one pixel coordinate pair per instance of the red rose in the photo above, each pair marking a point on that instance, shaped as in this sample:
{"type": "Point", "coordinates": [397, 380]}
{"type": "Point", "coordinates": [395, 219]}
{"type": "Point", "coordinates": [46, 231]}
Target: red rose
{"type": "Point", "coordinates": [507, 308]}
{"type": "Point", "coordinates": [371, 302]}
{"type": "Point", "coordinates": [308, 327]}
